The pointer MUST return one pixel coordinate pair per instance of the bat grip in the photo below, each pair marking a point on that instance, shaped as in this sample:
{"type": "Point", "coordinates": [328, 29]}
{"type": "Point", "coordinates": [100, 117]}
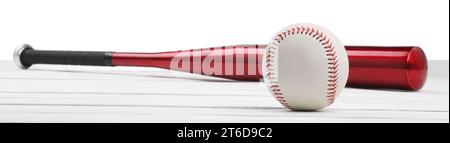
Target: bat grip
{"type": "Point", "coordinates": [25, 56]}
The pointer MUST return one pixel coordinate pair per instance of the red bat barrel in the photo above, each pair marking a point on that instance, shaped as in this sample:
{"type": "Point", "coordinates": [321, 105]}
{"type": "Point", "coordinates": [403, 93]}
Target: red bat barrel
{"type": "Point", "coordinates": [370, 66]}
{"type": "Point", "coordinates": [387, 67]}
{"type": "Point", "coordinates": [239, 62]}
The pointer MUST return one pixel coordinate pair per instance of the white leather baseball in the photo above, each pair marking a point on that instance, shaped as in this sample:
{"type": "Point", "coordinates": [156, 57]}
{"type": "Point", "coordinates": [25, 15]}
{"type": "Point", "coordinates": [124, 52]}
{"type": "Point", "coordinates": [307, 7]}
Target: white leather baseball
{"type": "Point", "coordinates": [305, 67]}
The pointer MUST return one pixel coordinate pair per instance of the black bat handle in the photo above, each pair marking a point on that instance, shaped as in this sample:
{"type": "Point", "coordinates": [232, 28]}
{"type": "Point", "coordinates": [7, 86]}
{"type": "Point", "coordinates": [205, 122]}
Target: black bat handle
{"type": "Point", "coordinates": [25, 56]}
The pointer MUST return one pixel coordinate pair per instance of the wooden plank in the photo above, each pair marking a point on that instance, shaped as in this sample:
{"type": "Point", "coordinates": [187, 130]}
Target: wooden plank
{"type": "Point", "coordinates": [48, 93]}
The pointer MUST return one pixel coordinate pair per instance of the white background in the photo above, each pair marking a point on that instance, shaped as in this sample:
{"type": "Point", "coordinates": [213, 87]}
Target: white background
{"type": "Point", "coordinates": [151, 26]}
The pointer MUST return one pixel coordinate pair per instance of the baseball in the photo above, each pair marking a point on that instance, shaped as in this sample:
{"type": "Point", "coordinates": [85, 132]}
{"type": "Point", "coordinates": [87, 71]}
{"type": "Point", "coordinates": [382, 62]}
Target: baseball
{"type": "Point", "coordinates": [305, 67]}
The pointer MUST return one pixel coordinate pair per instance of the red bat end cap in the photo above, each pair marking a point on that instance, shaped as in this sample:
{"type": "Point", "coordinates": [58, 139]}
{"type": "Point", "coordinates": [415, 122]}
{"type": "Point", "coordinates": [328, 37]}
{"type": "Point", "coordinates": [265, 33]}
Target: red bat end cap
{"type": "Point", "coordinates": [417, 68]}
{"type": "Point", "coordinates": [387, 67]}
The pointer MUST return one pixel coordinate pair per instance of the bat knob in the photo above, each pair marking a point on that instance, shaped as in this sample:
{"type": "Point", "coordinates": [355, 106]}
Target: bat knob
{"type": "Point", "coordinates": [19, 50]}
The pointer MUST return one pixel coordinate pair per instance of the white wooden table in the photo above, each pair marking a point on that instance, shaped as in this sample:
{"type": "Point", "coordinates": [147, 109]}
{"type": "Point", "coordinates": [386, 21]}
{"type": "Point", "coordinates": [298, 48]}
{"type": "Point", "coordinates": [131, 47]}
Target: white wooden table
{"type": "Point", "coordinates": [49, 93]}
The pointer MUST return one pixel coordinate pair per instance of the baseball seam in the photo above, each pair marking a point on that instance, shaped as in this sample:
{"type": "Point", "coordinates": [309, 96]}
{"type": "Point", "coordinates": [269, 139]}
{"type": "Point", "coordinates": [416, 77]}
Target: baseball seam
{"type": "Point", "coordinates": [332, 59]}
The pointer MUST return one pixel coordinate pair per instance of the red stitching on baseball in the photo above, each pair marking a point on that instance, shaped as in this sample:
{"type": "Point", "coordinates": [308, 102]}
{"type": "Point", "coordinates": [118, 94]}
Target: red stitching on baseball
{"type": "Point", "coordinates": [333, 66]}
{"type": "Point", "coordinates": [327, 42]}
{"type": "Point", "coordinates": [332, 58]}
{"type": "Point", "coordinates": [332, 84]}
{"type": "Point", "coordinates": [324, 38]}
{"type": "Point", "coordinates": [334, 63]}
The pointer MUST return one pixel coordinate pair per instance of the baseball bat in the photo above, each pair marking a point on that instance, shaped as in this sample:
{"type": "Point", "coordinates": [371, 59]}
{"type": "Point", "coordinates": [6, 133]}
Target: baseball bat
{"type": "Point", "coordinates": [401, 67]}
